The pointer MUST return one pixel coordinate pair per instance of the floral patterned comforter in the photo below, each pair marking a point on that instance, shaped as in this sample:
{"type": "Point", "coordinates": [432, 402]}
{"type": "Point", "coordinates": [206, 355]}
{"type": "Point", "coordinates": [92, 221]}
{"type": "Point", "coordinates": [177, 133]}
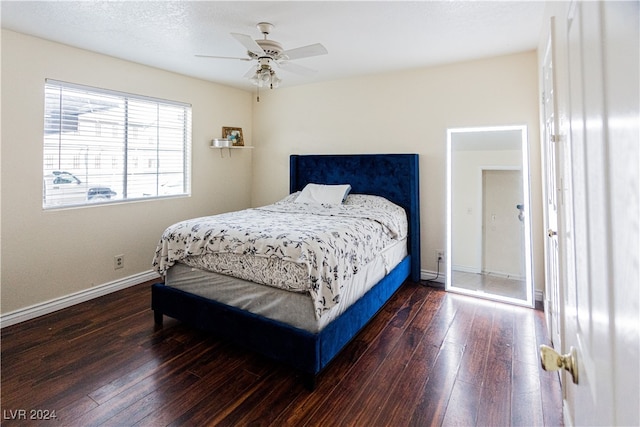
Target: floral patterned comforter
{"type": "Point", "coordinates": [332, 242]}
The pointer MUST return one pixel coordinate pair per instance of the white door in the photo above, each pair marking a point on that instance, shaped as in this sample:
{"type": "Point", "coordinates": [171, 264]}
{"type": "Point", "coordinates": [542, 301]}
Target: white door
{"type": "Point", "coordinates": [502, 230]}
{"type": "Point", "coordinates": [601, 237]}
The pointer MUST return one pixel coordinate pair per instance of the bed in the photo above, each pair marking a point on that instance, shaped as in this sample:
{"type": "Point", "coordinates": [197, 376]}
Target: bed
{"type": "Point", "coordinates": [187, 296]}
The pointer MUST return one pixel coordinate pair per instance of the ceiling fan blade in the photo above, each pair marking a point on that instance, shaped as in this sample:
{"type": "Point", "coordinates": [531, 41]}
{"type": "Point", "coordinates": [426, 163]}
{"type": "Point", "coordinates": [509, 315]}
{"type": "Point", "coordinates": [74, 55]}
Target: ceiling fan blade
{"type": "Point", "coordinates": [249, 43]}
{"type": "Point", "coordinates": [305, 51]}
{"type": "Point", "coordinates": [296, 68]}
{"type": "Point", "coordinates": [223, 57]}
{"type": "Point", "coordinates": [250, 72]}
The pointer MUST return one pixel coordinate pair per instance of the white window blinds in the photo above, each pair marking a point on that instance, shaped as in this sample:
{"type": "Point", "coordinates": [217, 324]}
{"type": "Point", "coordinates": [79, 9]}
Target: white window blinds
{"type": "Point", "coordinates": [106, 146]}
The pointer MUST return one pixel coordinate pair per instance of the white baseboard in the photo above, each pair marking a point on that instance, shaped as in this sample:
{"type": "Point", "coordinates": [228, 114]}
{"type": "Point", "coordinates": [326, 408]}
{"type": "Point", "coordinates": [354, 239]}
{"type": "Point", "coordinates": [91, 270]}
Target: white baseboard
{"type": "Point", "coordinates": [47, 307]}
{"type": "Point", "coordinates": [431, 276]}
{"type": "Point", "coordinates": [466, 269]}
{"type": "Point", "coordinates": [56, 304]}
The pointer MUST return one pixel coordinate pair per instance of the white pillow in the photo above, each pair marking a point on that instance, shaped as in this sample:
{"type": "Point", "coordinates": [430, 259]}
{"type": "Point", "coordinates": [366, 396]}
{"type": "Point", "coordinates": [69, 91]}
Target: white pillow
{"type": "Point", "coordinates": [319, 193]}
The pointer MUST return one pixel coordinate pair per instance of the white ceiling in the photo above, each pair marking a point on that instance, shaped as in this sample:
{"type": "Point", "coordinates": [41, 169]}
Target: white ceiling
{"type": "Point", "coordinates": [362, 37]}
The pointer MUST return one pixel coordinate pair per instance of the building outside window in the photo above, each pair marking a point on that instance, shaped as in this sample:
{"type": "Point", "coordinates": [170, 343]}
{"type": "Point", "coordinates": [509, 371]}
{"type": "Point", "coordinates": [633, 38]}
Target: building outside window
{"type": "Point", "coordinates": [145, 154]}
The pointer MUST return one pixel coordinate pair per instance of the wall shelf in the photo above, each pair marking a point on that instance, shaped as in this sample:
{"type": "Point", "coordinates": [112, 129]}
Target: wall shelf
{"type": "Point", "coordinates": [232, 147]}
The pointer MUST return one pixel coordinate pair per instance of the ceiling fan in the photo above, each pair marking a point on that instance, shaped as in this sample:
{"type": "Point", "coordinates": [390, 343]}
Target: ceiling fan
{"type": "Point", "coordinates": [268, 52]}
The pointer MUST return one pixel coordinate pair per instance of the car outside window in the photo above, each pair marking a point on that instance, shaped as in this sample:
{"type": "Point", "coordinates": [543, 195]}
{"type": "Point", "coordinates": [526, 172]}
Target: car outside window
{"type": "Point", "coordinates": [103, 146]}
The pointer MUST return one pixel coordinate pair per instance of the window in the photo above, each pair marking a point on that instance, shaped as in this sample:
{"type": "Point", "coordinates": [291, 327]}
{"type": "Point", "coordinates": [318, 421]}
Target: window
{"type": "Point", "coordinates": [105, 146]}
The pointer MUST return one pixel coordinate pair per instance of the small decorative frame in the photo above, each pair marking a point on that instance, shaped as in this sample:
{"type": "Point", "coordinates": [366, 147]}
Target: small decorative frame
{"type": "Point", "coordinates": [234, 135]}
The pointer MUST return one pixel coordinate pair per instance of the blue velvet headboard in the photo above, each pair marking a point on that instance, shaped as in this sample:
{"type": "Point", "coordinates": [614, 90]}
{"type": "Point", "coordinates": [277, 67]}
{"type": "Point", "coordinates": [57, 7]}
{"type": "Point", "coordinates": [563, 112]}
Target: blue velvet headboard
{"type": "Point", "coordinates": [393, 176]}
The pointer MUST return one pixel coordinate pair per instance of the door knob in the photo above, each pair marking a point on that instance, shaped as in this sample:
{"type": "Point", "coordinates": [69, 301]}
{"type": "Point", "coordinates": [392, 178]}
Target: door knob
{"type": "Point", "coordinates": [551, 233]}
{"type": "Point", "coordinates": [551, 360]}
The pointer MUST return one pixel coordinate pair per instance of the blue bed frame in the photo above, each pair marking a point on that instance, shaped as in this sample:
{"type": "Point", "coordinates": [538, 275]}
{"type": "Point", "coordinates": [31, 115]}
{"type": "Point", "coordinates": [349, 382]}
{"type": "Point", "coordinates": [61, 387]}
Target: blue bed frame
{"type": "Point", "coordinates": [393, 176]}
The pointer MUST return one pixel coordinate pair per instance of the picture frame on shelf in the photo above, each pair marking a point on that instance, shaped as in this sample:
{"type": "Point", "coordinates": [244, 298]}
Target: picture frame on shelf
{"type": "Point", "coordinates": [234, 135]}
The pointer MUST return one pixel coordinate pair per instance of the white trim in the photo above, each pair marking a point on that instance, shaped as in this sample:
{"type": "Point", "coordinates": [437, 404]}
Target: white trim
{"type": "Point", "coordinates": [566, 414]}
{"type": "Point", "coordinates": [56, 304]}
{"type": "Point", "coordinates": [53, 305]}
{"type": "Point", "coordinates": [111, 92]}
{"type": "Point", "coordinates": [504, 275]}
{"type": "Point", "coordinates": [538, 294]}
{"type": "Point", "coordinates": [430, 275]}
{"type": "Point", "coordinates": [466, 269]}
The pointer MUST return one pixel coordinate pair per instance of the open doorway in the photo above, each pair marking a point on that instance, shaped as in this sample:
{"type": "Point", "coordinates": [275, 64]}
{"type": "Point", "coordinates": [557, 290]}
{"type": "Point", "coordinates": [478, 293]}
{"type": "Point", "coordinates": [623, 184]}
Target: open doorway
{"type": "Point", "coordinates": [488, 228]}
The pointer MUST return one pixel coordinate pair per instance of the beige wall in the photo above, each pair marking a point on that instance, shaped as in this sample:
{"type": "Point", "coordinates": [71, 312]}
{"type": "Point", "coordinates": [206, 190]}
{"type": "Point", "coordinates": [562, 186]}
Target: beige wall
{"type": "Point", "coordinates": [46, 255]}
{"type": "Point", "coordinates": [400, 112]}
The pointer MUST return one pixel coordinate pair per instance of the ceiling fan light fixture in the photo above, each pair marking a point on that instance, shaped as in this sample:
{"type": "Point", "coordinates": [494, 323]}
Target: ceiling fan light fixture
{"type": "Point", "coordinates": [275, 81]}
{"type": "Point", "coordinates": [267, 52]}
{"type": "Point", "coordinates": [265, 77]}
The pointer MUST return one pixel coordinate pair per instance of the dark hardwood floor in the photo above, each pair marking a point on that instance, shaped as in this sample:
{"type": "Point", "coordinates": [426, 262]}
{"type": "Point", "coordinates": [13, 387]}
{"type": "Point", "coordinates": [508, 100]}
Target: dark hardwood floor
{"type": "Point", "coordinates": [428, 358]}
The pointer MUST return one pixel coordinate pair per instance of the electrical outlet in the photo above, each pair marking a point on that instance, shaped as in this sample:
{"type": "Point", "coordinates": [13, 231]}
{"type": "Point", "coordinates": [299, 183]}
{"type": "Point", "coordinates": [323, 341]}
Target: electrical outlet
{"type": "Point", "coordinates": [439, 255]}
{"type": "Point", "coordinates": [118, 262]}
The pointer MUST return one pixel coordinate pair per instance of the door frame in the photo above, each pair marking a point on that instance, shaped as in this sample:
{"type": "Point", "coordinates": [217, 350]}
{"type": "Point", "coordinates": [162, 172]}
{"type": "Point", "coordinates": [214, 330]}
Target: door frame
{"type": "Point", "coordinates": [481, 208]}
{"type": "Point", "coordinates": [553, 195]}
